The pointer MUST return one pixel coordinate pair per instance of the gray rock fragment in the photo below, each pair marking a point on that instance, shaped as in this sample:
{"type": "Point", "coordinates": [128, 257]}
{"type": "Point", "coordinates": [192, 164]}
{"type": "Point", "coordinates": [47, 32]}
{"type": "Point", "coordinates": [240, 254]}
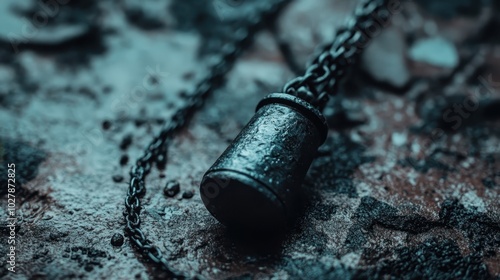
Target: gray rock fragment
{"type": "Point", "coordinates": [436, 51]}
{"type": "Point", "coordinates": [385, 59]}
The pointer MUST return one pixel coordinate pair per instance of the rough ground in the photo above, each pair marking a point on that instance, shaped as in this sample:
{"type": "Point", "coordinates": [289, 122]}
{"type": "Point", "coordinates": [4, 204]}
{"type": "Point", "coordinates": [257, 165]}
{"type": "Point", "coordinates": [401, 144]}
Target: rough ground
{"type": "Point", "coordinates": [403, 188]}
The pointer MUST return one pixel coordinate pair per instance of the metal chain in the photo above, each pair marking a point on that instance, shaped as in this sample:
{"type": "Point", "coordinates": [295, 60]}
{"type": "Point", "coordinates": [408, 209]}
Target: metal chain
{"type": "Point", "coordinates": [156, 153]}
{"type": "Point", "coordinates": [322, 77]}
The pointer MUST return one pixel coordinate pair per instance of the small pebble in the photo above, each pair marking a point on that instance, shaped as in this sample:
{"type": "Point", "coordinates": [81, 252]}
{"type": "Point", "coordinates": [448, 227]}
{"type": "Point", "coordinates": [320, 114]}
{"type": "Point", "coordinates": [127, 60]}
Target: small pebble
{"type": "Point", "coordinates": [45, 217]}
{"type": "Point", "coordinates": [107, 89]}
{"type": "Point", "coordinates": [187, 194]}
{"type": "Point", "coordinates": [139, 122]}
{"type": "Point", "coordinates": [172, 188]}
{"type": "Point", "coordinates": [188, 76]}
{"type": "Point", "coordinates": [127, 140]}
{"type": "Point", "coordinates": [436, 51]}
{"type": "Point", "coordinates": [123, 160]}
{"type": "Point", "coordinates": [106, 125]}
{"type": "Point", "coordinates": [118, 178]}
{"type": "Point", "coordinates": [117, 239]}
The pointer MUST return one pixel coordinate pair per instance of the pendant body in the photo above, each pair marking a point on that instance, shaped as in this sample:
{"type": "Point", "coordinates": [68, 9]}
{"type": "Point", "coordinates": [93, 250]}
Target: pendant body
{"type": "Point", "coordinates": [256, 182]}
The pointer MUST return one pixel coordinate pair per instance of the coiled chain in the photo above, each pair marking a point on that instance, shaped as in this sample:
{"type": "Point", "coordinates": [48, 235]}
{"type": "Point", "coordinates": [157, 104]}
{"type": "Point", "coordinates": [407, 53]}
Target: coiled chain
{"type": "Point", "coordinates": [322, 77]}
{"type": "Point", "coordinates": [156, 153]}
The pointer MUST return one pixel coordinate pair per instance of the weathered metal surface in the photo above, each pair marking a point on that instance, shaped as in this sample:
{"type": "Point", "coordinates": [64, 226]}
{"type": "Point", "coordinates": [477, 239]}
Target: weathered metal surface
{"type": "Point", "coordinates": [255, 184]}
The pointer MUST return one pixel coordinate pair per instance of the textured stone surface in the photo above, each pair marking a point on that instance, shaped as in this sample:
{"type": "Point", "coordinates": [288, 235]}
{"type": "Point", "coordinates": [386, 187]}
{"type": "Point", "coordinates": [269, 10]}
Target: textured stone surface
{"type": "Point", "coordinates": [407, 184]}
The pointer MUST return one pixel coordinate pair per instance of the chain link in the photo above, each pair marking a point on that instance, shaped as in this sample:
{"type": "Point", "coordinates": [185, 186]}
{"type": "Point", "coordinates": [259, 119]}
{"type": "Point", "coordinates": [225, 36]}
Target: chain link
{"type": "Point", "coordinates": [322, 77]}
{"type": "Point", "coordinates": [157, 149]}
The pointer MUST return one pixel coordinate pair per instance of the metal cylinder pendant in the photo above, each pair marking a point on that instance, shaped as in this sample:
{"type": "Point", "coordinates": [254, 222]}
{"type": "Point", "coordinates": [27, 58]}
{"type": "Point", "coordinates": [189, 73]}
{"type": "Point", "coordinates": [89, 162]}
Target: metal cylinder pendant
{"type": "Point", "coordinates": [255, 183]}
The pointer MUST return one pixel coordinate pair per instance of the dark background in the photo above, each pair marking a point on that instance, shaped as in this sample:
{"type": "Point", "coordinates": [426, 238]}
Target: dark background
{"type": "Point", "coordinates": [407, 184]}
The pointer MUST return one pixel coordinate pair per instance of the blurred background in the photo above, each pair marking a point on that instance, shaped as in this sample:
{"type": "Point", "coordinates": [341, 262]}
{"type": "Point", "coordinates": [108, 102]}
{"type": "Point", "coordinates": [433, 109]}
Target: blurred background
{"type": "Point", "coordinates": [407, 184]}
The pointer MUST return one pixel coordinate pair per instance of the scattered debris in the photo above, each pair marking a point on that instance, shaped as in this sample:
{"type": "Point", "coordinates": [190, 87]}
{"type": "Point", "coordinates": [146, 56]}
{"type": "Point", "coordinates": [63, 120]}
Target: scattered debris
{"type": "Point", "coordinates": [172, 188]}
{"type": "Point", "coordinates": [123, 160]}
{"type": "Point", "coordinates": [450, 8]}
{"type": "Point", "coordinates": [117, 240]}
{"type": "Point", "coordinates": [385, 58]}
{"type": "Point", "coordinates": [436, 51]}
{"type": "Point", "coordinates": [118, 178]}
{"type": "Point", "coordinates": [26, 158]}
{"type": "Point", "coordinates": [187, 194]}
{"type": "Point", "coordinates": [126, 142]}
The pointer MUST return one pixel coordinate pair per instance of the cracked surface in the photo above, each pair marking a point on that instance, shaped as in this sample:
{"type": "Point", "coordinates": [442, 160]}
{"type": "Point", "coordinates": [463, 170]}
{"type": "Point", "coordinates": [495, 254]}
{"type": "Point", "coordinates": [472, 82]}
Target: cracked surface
{"type": "Point", "coordinates": [395, 192]}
